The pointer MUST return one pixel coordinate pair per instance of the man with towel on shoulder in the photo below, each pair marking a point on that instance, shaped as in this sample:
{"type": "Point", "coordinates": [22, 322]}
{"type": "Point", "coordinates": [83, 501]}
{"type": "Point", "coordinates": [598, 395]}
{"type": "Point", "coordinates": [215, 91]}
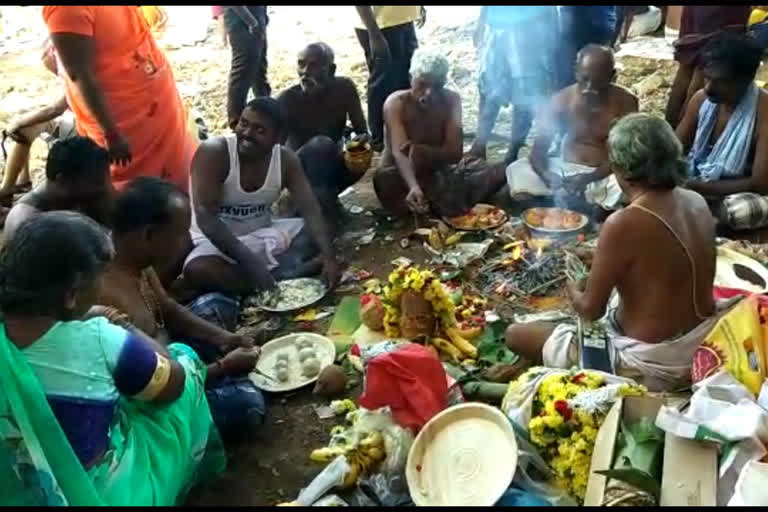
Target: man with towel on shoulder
{"type": "Point", "coordinates": [724, 132]}
{"type": "Point", "coordinates": [699, 24]}
{"type": "Point", "coordinates": [583, 114]}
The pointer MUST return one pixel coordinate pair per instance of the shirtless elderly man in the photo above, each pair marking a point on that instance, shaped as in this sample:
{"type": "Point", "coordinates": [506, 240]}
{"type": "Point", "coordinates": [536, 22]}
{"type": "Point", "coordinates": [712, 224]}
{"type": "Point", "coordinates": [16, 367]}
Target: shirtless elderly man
{"type": "Point", "coordinates": [423, 144]}
{"type": "Point", "coordinates": [725, 132]}
{"type": "Point", "coordinates": [316, 112]}
{"type": "Point", "coordinates": [659, 256]}
{"type": "Point", "coordinates": [239, 247]}
{"type": "Point", "coordinates": [583, 114]}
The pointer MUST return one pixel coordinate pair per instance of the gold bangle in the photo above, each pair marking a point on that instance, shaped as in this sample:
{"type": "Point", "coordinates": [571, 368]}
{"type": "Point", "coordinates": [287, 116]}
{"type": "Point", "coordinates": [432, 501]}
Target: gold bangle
{"type": "Point", "coordinates": [159, 379]}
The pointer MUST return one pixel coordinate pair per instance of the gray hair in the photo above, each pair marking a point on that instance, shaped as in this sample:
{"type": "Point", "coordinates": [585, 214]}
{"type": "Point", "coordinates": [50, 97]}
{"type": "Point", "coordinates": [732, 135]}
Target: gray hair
{"type": "Point", "coordinates": [52, 255]}
{"type": "Point", "coordinates": [426, 61]}
{"type": "Point", "coordinates": [647, 150]}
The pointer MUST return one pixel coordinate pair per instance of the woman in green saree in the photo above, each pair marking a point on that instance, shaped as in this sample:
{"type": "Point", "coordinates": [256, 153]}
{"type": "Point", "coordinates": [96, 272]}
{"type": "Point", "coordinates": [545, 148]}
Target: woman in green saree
{"type": "Point", "coordinates": [90, 413]}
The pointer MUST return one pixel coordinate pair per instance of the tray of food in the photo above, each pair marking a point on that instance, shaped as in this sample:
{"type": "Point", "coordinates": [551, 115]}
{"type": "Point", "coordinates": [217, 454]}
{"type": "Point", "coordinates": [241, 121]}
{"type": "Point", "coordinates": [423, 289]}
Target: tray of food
{"type": "Point", "coordinates": [291, 295]}
{"type": "Point", "coordinates": [554, 221]}
{"type": "Point", "coordinates": [292, 362]}
{"type": "Point", "coordinates": [480, 217]}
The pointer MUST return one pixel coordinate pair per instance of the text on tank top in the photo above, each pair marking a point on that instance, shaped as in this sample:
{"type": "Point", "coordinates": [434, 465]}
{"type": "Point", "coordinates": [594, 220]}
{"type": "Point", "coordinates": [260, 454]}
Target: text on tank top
{"type": "Point", "coordinates": [244, 212]}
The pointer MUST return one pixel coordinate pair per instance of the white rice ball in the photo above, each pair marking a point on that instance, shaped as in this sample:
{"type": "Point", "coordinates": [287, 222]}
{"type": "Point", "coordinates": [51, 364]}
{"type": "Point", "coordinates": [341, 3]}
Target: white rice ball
{"type": "Point", "coordinates": [310, 367]}
{"type": "Point", "coordinates": [306, 353]}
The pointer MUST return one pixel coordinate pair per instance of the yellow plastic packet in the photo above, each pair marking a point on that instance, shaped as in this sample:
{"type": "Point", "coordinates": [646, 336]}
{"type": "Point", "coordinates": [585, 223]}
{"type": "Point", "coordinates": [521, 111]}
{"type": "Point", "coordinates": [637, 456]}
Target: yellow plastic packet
{"type": "Point", "coordinates": [737, 344]}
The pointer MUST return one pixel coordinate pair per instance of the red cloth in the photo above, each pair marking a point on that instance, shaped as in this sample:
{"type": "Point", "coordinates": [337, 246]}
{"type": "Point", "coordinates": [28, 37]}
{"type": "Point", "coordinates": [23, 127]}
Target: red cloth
{"type": "Point", "coordinates": [723, 292]}
{"type": "Point", "coordinates": [410, 381]}
{"type": "Point", "coordinates": [217, 11]}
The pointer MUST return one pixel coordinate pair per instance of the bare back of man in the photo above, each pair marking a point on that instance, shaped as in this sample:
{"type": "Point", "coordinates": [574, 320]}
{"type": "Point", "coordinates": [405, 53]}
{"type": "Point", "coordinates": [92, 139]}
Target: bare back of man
{"type": "Point", "coordinates": [651, 271]}
{"type": "Point", "coordinates": [656, 291]}
{"type": "Point", "coordinates": [586, 128]}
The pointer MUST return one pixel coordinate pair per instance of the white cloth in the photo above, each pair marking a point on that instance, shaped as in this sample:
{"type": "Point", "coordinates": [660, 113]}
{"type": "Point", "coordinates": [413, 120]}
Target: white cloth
{"type": "Point", "coordinates": [645, 23]}
{"type": "Point", "coordinates": [522, 179]}
{"type": "Point", "coordinates": [751, 490]}
{"type": "Point", "coordinates": [266, 242]}
{"type": "Point", "coordinates": [723, 411]}
{"type": "Point", "coordinates": [248, 214]}
{"type": "Point", "coordinates": [664, 366]}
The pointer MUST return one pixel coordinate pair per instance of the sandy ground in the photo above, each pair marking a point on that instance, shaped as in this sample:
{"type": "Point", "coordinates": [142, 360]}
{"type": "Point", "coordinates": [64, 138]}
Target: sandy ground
{"type": "Point", "coordinates": [272, 465]}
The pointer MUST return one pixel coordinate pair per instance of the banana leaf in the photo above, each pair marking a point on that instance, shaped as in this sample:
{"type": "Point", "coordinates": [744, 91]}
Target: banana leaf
{"type": "Point", "coordinates": [491, 347]}
{"type": "Point", "coordinates": [639, 457]}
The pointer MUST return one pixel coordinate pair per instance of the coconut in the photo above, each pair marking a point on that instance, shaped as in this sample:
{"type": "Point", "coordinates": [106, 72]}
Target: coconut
{"type": "Point", "coordinates": [372, 312]}
{"type": "Point", "coordinates": [417, 318]}
{"type": "Point", "coordinates": [332, 381]}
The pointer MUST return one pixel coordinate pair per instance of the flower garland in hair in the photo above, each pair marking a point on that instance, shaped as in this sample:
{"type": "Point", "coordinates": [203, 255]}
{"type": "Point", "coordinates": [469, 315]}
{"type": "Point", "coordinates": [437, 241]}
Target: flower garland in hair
{"type": "Point", "coordinates": [407, 277]}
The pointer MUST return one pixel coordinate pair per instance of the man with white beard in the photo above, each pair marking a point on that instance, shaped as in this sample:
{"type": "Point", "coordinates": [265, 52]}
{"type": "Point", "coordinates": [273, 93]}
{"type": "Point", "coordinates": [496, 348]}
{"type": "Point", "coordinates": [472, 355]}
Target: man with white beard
{"type": "Point", "coordinates": [316, 111]}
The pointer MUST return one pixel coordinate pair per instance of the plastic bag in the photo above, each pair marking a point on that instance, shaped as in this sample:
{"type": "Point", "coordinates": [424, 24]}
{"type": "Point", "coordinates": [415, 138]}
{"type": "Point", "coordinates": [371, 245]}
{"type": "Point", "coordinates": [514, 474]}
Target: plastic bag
{"type": "Point", "coordinates": [397, 440]}
{"type": "Point", "coordinates": [751, 490]}
{"type": "Point", "coordinates": [725, 412]}
{"type": "Point", "coordinates": [332, 500]}
{"type": "Point", "coordinates": [388, 483]}
{"type": "Point", "coordinates": [736, 344]}
{"type": "Point", "coordinates": [330, 477]}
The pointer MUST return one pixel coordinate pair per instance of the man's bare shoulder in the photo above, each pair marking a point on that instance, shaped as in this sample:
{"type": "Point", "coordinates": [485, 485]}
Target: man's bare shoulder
{"type": "Point", "coordinates": [287, 155]}
{"type": "Point", "coordinates": [19, 213]}
{"type": "Point", "coordinates": [396, 100]}
{"type": "Point", "coordinates": [213, 146]}
{"type": "Point", "coordinates": [762, 109]}
{"type": "Point", "coordinates": [696, 100]}
{"type": "Point", "coordinates": [564, 98]}
{"type": "Point", "coordinates": [624, 97]}
{"type": "Point", "coordinates": [694, 201]}
{"type": "Point", "coordinates": [452, 97]}
{"type": "Point", "coordinates": [212, 156]}
{"type": "Point", "coordinates": [565, 94]}
{"type": "Point", "coordinates": [344, 83]}
{"type": "Point", "coordinates": [288, 95]}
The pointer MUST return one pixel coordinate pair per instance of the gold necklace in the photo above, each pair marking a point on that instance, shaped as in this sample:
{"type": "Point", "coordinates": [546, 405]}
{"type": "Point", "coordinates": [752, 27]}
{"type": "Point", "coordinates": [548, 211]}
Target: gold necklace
{"type": "Point", "coordinates": [150, 301]}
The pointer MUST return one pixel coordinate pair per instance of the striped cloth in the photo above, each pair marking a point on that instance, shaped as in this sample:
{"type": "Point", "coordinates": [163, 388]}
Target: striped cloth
{"type": "Point", "coordinates": [728, 157]}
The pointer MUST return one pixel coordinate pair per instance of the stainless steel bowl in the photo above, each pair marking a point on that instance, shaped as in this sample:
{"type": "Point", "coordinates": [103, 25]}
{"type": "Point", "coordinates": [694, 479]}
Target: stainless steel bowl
{"type": "Point", "coordinates": [539, 232]}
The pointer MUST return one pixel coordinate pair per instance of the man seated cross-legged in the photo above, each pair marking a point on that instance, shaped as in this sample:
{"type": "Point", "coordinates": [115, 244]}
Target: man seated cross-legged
{"type": "Point", "coordinates": [725, 133]}
{"type": "Point", "coordinates": [238, 246]}
{"type": "Point", "coordinates": [423, 145]}
{"type": "Point", "coordinates": [316, 112]}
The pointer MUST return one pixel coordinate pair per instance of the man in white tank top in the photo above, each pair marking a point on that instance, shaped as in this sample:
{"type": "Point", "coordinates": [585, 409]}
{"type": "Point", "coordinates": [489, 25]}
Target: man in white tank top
{"type": "Point", "coordinates": [239, 247]}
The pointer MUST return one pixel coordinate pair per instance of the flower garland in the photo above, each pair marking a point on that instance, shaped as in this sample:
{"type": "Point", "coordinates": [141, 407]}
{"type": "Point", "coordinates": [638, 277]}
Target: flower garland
{"type": "Point", "coordinates": [565, 433]}
{"type": "Point", "coordinates": [422, 281]}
